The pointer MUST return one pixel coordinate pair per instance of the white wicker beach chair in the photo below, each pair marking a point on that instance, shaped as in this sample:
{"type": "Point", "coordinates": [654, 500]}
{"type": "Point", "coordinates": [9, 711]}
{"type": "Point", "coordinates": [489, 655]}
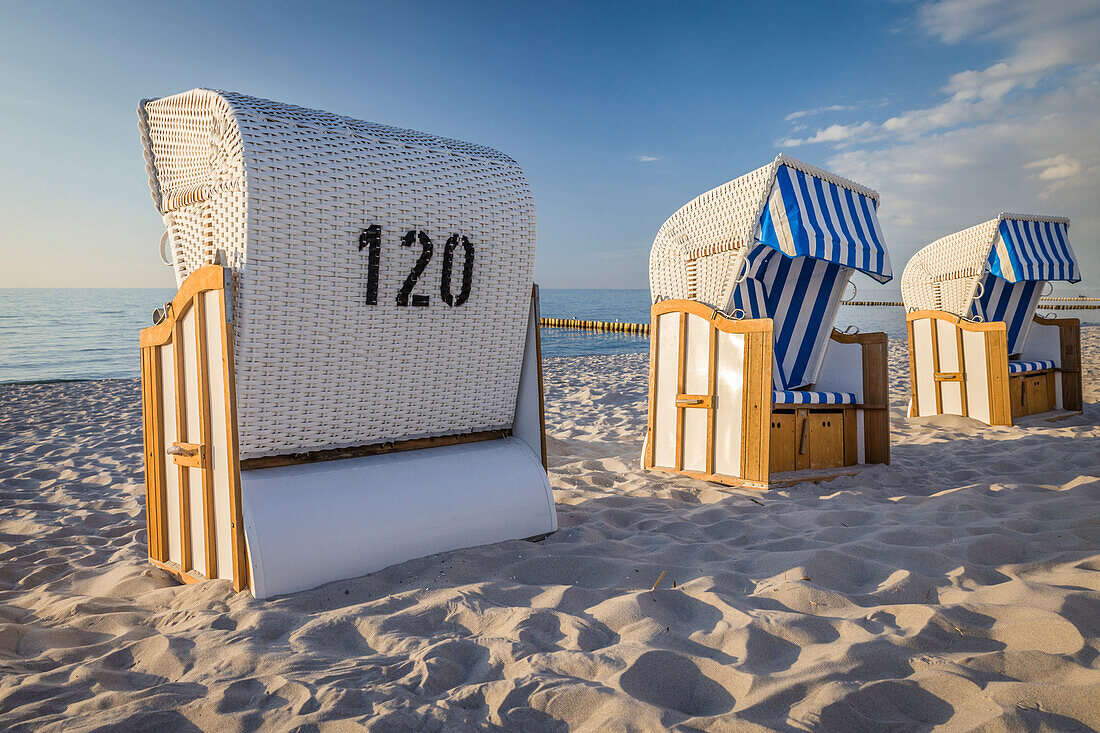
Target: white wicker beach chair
{"type": "Point", "coordinates": [976, 347]}
{"type": "Point", "coordinates": [349, 376]}
{"type": "Point", "coordinates": [748, 377]}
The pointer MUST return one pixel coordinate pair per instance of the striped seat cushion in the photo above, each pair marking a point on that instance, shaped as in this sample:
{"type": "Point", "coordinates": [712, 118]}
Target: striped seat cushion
{"type": "Point", "coordinates": [805, 397]}
{"type": "Point", "coordinates": [1016, 367]}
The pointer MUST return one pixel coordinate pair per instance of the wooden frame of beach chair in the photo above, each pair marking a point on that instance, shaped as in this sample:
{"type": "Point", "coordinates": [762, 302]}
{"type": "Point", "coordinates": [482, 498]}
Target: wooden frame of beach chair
{"type": "Point", "coordinates": [750, 383]}
{"type": "Point", "coordinates": [323, 398]}
{"type": "Point", "coordinates": [712, 414]}
{"type": "Point", "coordinates": [976, 347]}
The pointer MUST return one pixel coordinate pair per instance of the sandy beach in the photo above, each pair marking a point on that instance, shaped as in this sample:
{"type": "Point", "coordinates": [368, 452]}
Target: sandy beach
{"type": "Point", "coordinates": [957, 587]}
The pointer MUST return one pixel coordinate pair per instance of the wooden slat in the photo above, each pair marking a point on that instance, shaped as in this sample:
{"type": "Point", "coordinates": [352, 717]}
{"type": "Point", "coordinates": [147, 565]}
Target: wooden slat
{"type": "Point", "coordinates": [206, 470]}
{"type": "Point", "coordinates": [716, 319]}
{"type": "Point", "coordinates": [681, 380]}
{"type": "Point", "coordinates": [181, 575]}
{"type": "Point", "coordinates": [996, 349]}
{"type": "Point", "coordinates": [651, 420]}
{"type": "Point", "coordinates": [876, 389]}
{"type": "Point", "coordinates": [377, 449]}
{"type": "Point", "coordinates": [157, 458]}
{"type": "Point", "coordinates": [914, 409]}
{"type": "Point", "coordinates": [756, 414]}
{"type": "Point", "coordinates": [147, 428]}
{"type": "Point", "coordinates": [712, 388]}
{"type": "Point", "coordinates": [936, 365]}
{"type": "Point", "coordinates": [209, 277]}
{"type": "Point", "coordinates": [962, 370]}
{"type": "Point", "coordinates": [1069, 337]}
{"type": "Point", "coordinates": [238, 546]}
{"type": "Point", "coordinates": [851, 438]}
{"type": "Point", "coordinates": [181, 433]}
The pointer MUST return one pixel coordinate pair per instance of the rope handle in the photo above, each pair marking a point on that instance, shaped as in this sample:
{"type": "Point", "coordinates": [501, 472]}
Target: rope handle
{"type": "Point", "coordinates": [855, 291]}
{"type": "Point", "coordinates": [1050, 285]}
{"type": "Point", "coordinates": [166, 237]}
{"type": "Point", "coordinates": [744, 273]}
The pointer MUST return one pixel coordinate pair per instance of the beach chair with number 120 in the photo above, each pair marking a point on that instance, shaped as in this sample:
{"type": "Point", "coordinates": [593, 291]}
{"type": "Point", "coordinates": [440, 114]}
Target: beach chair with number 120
{"type": "Point", "coordinates": [749, 380]}
{"type": "Point", "coordinates": [349, 376]}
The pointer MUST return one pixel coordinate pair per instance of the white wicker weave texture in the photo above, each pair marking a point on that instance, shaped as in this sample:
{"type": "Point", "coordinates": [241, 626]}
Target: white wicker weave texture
{"type": "Point", "coordinates": [711, 232]}
{"type": "Point", "coordinates": [286, 193]}
{"type": "Point", "coordinates": [945, 274]}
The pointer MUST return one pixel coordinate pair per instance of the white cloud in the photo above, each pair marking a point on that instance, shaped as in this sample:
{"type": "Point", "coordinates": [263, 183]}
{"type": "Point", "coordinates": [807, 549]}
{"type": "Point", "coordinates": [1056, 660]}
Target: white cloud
{"type": "Point", "coordinates": [646, 158]}
{"type": "Point", "coordinates": [836, 134]}
{"type": "Point", "coordinates": [1056, 168]}
{"type": "Point", "coordinates": [806, 112]}
{"type": "Point", "coordinates": [1021, 134]}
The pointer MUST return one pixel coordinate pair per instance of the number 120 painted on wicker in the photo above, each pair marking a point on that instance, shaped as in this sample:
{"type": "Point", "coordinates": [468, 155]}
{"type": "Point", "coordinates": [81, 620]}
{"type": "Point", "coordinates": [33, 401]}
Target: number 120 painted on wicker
{"type": "Point", "coordinates": [371, 240]}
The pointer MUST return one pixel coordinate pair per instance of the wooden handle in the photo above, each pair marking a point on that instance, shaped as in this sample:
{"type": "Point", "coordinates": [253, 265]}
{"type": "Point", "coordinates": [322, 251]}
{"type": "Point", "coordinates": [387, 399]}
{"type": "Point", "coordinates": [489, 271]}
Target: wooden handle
{"type": "Point", "coordinates": [191, 455]}
{"type": "Point", "coordinates": [704, 401]}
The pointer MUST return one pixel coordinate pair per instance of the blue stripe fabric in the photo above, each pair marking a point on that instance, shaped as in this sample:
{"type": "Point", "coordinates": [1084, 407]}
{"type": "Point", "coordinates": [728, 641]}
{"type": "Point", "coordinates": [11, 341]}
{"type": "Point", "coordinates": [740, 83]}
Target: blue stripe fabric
{"type": "Point", "coordinates": [1033, 250]}
{"type": "Point", "coordinates": [806, 397]}
{"type": "Point", "coordinates": [806, 216]}
{"type": "Point", "coordinates": [749, 297]}
{"type": "Point", "coordinates": [1013, 303]}
{"type": "Point", "coordinates": [1016, 367]}
{"type": "Point", "coordinates": [802, 296]}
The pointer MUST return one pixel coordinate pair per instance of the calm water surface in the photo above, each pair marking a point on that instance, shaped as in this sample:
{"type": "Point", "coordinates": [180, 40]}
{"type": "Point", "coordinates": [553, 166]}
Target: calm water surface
{"type": "Point", "coordinates": [56, 334]}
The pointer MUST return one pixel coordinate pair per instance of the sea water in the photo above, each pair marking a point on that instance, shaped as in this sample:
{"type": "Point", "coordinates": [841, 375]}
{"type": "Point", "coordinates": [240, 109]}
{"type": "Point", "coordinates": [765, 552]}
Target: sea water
{"type": "Point", "coordinates": [72, 333]}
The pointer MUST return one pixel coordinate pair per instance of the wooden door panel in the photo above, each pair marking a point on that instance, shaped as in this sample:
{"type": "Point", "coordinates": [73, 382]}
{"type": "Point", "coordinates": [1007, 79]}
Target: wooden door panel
{"type": "Point", "coordinates": [826, 439]}
{"type": "Point", "coordinates": [784, 444]}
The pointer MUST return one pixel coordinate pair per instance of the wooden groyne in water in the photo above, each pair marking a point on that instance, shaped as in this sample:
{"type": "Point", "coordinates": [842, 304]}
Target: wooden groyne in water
{"type": "Point", "coordinates": [642, 329]}
{"type": "Point", "coordinates": [639, 329]}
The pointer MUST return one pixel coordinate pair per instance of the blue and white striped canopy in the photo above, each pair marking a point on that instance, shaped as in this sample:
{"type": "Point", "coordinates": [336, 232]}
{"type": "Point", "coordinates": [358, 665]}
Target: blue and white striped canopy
{"type": "Point", "coordinates": [1033, 250]}
{"type": "Point", "coordinates": [807, 216]}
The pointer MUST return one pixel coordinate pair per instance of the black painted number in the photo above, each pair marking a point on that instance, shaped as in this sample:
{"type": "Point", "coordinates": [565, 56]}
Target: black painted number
{"type": "Point", "coordinates": [371, 238]}
{"type": "Point", "coordinates": [418, 268]}
{"type": "Point", "coordinates": [467, 271]}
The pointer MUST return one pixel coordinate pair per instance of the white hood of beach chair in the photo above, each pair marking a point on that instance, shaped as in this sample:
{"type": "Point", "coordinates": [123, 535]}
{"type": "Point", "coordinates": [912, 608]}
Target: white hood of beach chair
{"type": "Point", "coordinates": [781, 242]}
{"type": "Point", "coordinates": [993, 271]}
{"type": "Point", "coordinates": [327, 354]}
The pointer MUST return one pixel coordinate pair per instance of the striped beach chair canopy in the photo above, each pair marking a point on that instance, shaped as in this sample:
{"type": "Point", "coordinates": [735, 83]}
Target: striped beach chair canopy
{"type": "Point", "coordinates": [780, 242]}
{"type": "Point", "coordinates": [994, 271]}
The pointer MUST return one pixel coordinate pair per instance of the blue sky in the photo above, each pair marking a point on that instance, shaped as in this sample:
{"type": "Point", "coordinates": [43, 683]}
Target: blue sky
{"type": "Point", "coordinates": [619, 112]}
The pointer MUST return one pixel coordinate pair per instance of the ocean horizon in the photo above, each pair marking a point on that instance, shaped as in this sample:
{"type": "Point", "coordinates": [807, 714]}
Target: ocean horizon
{"type": "Point", "coordinates": [67, 334]}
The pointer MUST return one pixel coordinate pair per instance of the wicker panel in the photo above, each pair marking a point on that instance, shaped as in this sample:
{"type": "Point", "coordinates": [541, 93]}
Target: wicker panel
{"type": "Point", "coordinates": [945, 274]}
{"type": "Point", "coordinates": [712, 231]}
{"type": "Point", "coordinates": [285, 192]}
